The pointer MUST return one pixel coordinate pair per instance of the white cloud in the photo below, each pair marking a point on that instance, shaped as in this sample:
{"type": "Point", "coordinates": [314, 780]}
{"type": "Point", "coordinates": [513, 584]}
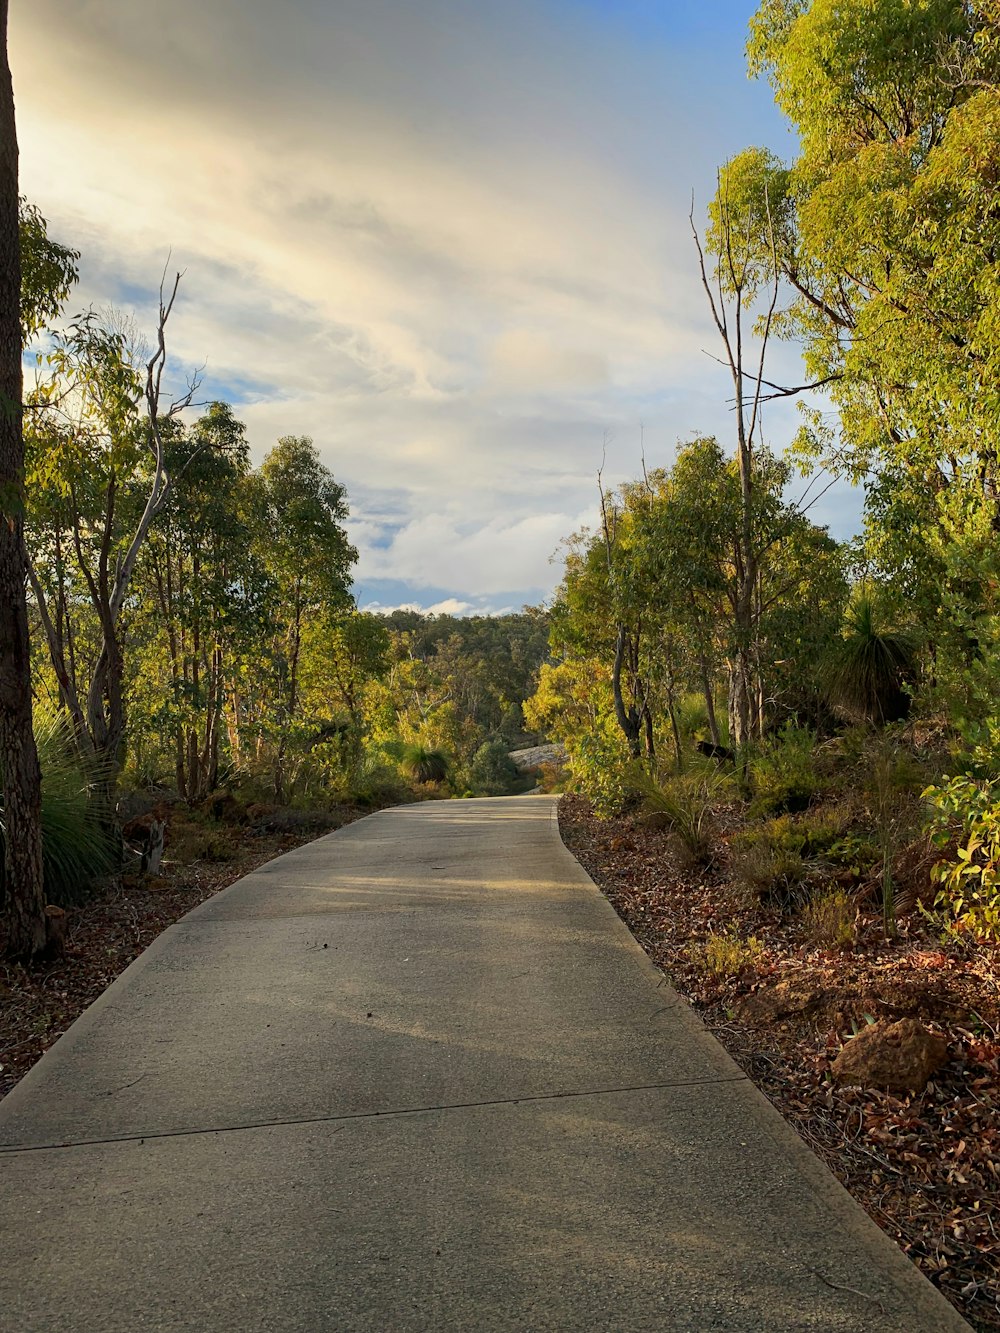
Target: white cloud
{"type": "Point", "coordinates": [448, 241]}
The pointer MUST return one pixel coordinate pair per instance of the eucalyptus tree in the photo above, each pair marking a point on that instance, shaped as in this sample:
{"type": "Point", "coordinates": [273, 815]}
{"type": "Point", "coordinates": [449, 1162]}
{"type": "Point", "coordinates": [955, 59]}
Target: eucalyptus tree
{"type": "Point", "coordinates": [741, 283]}
{"type": "Point", "coordinates": [210, 599]}
{"type": "Point", "coordinates": [885, 232]}
{"type": "Point", "coordinates": [306, 551]}
{"type": "Point", "coordinates": [98, 478]}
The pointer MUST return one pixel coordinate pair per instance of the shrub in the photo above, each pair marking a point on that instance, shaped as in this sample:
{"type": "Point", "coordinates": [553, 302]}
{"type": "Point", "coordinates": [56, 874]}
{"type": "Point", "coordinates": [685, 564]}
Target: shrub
{"type": "Point", "coordinates": [78, 847]}
{"type": "Point", "coordinates": [727, 955]}
{"type": "Point", "coordinates": [424, 765]}
{"type": "Point", "coordinates": [375, 782]}
{"type": "Point", "coordinates": [768, 872]}
{"type": "Point", "coordinates": [686, 801]}
{"type": "Point", "coordinates": [602, 770]}
{"type": "Point", "coordinates": [493, 772]}
{"type": "Point", "coordinates": [830, 918]}
{"type": "Point", "coordinates": [784, 773]}
{"type": "Point", "coordinates": [964, 825]}
{"type": "Point", "coordinates": [871, 665]}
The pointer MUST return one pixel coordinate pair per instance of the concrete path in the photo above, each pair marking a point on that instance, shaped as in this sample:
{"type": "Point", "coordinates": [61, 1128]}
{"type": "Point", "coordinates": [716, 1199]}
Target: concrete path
{"type": "Point", "coordinates": [418, 1076]}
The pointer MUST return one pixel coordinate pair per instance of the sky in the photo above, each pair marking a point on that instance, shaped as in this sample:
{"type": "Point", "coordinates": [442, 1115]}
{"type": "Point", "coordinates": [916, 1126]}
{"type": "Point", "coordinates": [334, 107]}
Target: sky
{"type": "Point", "coordinates": [449, 241]}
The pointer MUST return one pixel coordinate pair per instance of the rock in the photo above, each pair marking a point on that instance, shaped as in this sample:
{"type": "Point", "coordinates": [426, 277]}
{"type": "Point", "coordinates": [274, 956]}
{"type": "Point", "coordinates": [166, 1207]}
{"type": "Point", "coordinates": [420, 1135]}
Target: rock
{"type": "Point", "coordinates": [770, 1004]}
{"type": "Point", "coordinates": [525, 761]}
{"type": "Point", "coordinates": [899, 1056]}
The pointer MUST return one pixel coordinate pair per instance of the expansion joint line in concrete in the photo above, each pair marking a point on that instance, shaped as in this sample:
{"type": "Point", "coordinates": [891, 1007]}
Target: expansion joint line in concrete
{"type": "Point", "coordinates": [11, 1149]}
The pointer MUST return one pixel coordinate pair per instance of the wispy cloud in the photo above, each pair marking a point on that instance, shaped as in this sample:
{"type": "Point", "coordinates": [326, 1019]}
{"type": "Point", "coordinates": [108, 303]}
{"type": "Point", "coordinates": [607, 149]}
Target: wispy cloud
{"type": "Point", "coordinates": [448, 241]}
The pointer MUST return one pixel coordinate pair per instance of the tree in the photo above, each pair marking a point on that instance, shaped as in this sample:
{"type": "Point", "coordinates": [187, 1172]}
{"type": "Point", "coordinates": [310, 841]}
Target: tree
{"type": "Point", "coordinates": [209, 596]}
{"type": "Point", "coordinates": [48, 272]}
{"type": "Point", "coordinates": [91, 448]}
{"type": "Point", "coordinates": [742, 270]}
{"type": "Point", "coordinates": [887, 234]}
{"type": "Point", "coordinates": [871, 665]}
{"type": "Point", "coordinates": [24, 902]}
{"type": "Point", "coordinates": [306, 551]}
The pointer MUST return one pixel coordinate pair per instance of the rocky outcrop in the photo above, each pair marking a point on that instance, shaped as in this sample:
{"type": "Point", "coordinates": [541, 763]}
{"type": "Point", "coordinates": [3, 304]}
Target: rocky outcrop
{"type": "Point", "coordinates": [526, 761]}
{"type": "Point", "coordinates": [900, 1057]}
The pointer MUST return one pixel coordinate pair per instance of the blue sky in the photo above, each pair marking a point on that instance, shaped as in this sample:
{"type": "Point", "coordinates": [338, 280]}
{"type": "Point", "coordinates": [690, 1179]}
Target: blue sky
{"type": "Point", "coordinates": [447, 241]}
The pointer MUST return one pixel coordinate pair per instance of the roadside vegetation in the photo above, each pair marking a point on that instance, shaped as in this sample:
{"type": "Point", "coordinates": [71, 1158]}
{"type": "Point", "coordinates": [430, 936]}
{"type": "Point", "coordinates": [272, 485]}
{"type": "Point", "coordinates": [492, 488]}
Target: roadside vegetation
{"type": "Point", "coordinates": [785, 750]}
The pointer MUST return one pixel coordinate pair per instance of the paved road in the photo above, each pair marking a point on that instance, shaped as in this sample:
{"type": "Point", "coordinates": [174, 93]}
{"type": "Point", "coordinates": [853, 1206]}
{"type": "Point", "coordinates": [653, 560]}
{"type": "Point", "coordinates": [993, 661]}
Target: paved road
{"type": "Point", "coordinates": [417, 1076]}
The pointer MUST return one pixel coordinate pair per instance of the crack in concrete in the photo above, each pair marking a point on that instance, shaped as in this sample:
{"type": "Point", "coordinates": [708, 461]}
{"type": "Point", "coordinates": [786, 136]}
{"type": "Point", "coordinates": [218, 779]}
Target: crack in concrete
{"type": "Point", "coordinates": [11, 1149]}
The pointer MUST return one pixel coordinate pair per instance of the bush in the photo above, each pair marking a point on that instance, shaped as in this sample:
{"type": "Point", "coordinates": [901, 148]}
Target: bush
{"type": "Point", "coordinates": [493, 772]}
{"type": "Point", "coordinates": [375, 783]}
{"type": "Point", "coordinates": [768, 872]}
{"type": "Point", "coordinates": [78, 847]}
{"type": "Point", "coordinates": [602, 770]}
{"type": "Point", "coordinates": [829, 919]}
{"type": "Point", "coordinates": [964, 824]}
{"type": "Point", "coordinates": [686, 801]}
{"type": "Point", "coordinates": [774, 861]}
{"type": "Point", "coordinates": [423, 765]}
{"type": "Point", "coordinates": [784, 774]}
{"type": "Point", "coordinates": [727, 955]}
{"type": "Point", "coordinates": [872, 665]}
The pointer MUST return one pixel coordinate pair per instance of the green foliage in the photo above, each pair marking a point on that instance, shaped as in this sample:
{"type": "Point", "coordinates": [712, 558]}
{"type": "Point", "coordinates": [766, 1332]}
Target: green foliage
{"type": "Point", "coordinates": [602, 769]}
{"type": "Point", "coordinates": [784, 772]}
{"type": "Point", "coordinates": [886, 237]}
{"type": "Point", "coordinates": [964, 824]}
{"type": "Point", "coordinates": [77, 847]}
{"type": "Point", "coordinates": [492, 772]}
{"type": "Point", "coordinates": [775, 860]}
{"type": "Point", "coordinates": [871, 666]}
{"type": "Point", "coordinates": [374, 781]}
{"type": "Point", "coordinates": [48, 272]}
{"type": "Point", "coordinates": [727, 955]}
{"type": "Point", "coordinates": [424, 765]}
{"type": "Point", "coordinates": [687, 801]}
{"type": "Point", "coordinates": [643, 631]}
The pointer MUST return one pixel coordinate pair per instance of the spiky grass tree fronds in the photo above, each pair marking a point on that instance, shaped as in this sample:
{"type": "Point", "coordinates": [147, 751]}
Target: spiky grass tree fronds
{"type": "Point", "coordinates": [423, 765]}
{"type": "Point", "coordinates": [871, 665]}
{"type": "Point", "coordinates": [77, 844]}
{"type": "Point", "coordinates": [687, 802]}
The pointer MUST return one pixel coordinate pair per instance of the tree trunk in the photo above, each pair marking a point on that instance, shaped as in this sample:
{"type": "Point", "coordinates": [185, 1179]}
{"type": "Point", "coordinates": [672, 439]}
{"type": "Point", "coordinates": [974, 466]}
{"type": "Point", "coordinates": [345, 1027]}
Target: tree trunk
{"type": "Point", "coordinates": [706, 685]}
{"type": "Point", "coordinates": [628, 719]}
{"type": "Point", "coordinates": [24, 892]}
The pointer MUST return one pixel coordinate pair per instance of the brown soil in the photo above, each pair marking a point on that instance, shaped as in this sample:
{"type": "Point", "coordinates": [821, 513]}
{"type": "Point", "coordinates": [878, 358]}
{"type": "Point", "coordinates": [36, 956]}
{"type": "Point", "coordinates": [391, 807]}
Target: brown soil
{"type": "Point", "coordinates": [926, 1167]}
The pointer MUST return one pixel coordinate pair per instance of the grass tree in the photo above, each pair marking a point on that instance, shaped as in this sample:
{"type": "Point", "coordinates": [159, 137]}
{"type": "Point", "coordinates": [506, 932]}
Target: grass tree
{"type": "Point", "coordinates": [871, 664]}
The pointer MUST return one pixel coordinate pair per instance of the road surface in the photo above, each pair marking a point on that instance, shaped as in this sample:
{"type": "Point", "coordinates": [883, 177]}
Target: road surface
{"type": "Point", "coordinates": [418, 1076]}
